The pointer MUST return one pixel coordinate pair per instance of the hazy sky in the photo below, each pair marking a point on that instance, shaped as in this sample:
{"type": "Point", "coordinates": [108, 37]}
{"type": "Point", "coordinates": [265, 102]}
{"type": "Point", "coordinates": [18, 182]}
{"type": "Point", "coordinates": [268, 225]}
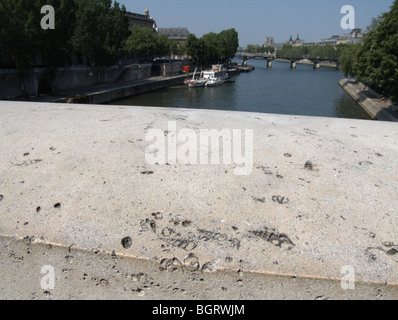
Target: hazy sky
{"type": "Point", "coordinates": [256, 19]}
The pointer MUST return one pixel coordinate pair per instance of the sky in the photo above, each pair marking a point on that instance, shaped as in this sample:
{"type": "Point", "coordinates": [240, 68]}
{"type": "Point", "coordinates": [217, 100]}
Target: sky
{"type": "Point", "coordinates": [256, 19]}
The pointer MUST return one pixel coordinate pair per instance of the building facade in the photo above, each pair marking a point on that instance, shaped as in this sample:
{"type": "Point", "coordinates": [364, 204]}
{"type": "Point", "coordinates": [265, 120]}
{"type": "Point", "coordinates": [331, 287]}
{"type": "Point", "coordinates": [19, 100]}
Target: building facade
{"type": "Point", "coordinates": [179, 35]}
{"type": "Point", "coordinates": [296, 43]}
{"type": "Point", "coordinates": [269, 41]}
{"type": "Point", "coordinates": [141, 20]}
{"type": "Point", "coordinates": [355, 36]}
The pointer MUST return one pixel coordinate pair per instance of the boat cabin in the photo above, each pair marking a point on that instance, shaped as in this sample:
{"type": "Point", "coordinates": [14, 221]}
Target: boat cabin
{"type": "Point", "coordinates": [217, 71]}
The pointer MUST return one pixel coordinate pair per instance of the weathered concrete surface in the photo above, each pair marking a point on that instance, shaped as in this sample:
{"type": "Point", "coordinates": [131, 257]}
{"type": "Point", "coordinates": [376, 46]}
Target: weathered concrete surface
{"type": "Point", "coordinates": [77, 194]}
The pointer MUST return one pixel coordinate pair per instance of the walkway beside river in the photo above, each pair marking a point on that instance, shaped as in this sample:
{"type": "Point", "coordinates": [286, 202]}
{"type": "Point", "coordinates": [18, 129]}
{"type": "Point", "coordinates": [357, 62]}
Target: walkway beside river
{"type": "Point", "coordinates": [369, 100]}
{"type": "Point", "coordinates": [112, 92]}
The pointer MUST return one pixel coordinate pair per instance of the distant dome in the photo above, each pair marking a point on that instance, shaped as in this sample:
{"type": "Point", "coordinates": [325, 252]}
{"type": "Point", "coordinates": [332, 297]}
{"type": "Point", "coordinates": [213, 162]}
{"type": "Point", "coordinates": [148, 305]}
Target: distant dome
{"type": "Point", "coordinates": [147, 12]}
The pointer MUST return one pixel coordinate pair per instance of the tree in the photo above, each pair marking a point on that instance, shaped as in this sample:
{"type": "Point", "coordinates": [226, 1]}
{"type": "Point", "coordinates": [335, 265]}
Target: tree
{"type": "Point", "coordinates": [55, 45]}
{"type": "Point", "coordinates": [254, 48]}
{"type": "Point", "coordinates": [117, 31]}
{"type": "Point", "coordinates": [100, 30]}
{"type": "Point", "coordinates": [288, 51]}
{"type": "Point", "coordinates": [229, 44]}
{"type": "Point", "coordinates": [144, 43]}
{"type": "Point", "coordinates": [348, 58]}
{"type": "Point", "coordinates": [18, 33]}
{"type": "Point", "coordinates": [269, 49]}
{"type": "Point", "coordinates": [213, 47]}
{"type": "Point", "coordinates": [322, 52]}
{"type": "Point", "coordinates": [195, 48]}
{"type": "Point", "coordinates": [374, 24]}
{"type": "Point", "coordinates": [378, 58]}
{"type": "Point", "coordinates": [163, 45]}
{"type": "Point", "coordinates": [178, 48]}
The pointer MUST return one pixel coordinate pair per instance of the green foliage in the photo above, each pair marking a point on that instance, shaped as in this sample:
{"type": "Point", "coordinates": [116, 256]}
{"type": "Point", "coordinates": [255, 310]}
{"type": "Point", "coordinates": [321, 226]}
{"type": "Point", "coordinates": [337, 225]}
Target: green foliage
{"type": "Point", "coordinates": [213, 47]}
{"type": "Point", "coordinates": [210, 48]}
{"type": "Point", "coordinates": [195, 48]}
{"type": "Point", "coordinates": [144, 43]}
{"type": "Point", "coordinates": [177, 48]}
{"type": "Point", "coordinates": [229, 40]}
{"type": "Point", "coordinates": [256, 48]}
{"type": "Point", "coordinates": [95, 28]}
{"type": "Point", "coordinates": [100, 30]}
{"type": "Point", "coordinates": [348, 58]}
{"type": "Point", "coordinates": [313, 52]}
{"type": "Point", "coordinates": [322, 52]}
{"type": "Point", "coordinates": [378, 57]}
{"type": "Point", "coordinates": [19, 32]}
{"type": "Point", "coordinates": [55, 45]}
{"type": "Point", "coordinates": [375, 23]}
{"type": "Point", "coordinates": [288, 51]}
{"type": "Point", "coordinates": [375, 61]}
{"type": "Point", "coordinates": [253, 48]}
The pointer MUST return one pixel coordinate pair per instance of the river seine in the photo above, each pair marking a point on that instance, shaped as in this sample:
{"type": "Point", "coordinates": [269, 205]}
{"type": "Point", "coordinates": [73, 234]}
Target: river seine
{"type": "Point", "coordinates": [280, 90]}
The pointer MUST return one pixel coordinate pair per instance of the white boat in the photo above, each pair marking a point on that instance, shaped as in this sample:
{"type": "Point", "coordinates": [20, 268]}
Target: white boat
{"type": "Point", "coordinates": [196, 82]}
{"type": "Point", "coordinates": [217, 71]}
{"type": "Point", "coordinates": [215, 76]}
{"type": "Point", "coordinates": [214, 82]}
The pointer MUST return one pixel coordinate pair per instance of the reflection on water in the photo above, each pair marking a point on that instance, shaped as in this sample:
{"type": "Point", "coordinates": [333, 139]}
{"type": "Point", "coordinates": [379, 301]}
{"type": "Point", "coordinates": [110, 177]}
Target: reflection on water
{"type": "Point", "coordinates": [281, 90]}
{"type": "Point", "coordinates": [353, 112]}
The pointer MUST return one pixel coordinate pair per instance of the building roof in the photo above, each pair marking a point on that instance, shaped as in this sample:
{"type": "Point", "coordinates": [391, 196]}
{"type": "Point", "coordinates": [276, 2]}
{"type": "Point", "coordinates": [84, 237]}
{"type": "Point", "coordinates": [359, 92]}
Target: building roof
{"type": "Point", "coordinates": [175, 33]}
{"type": "Point", "coordinates": [138, 16]}
{"type": "Point", "coordinates": [142, 20]}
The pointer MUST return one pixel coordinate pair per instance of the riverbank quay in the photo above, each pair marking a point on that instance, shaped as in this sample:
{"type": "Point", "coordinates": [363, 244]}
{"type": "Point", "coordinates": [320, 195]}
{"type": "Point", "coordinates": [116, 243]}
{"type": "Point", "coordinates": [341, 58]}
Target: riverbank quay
{"type": "Point", "coordinates": [74, 78]}
{"type": "Point", "coordinates": [369, 100]}
{"type": "Point", "coordinates": [40, 80]}
{"type": "Point", "coordinates": [103, 94]}
{"type": "Point", "coordinates": [84, 215]}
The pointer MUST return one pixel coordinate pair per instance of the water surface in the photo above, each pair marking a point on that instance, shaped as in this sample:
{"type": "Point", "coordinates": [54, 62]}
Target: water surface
{"type": "Point", "coordinates": [280, 90]}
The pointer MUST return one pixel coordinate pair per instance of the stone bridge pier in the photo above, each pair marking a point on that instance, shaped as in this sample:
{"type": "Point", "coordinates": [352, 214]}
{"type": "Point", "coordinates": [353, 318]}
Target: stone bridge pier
{"type": "Point", "coordinates": [293, 63]}
{"type": "Point", "coordinates": [317, 64]}
{"type": "Point", "coordinates": [269, 62]}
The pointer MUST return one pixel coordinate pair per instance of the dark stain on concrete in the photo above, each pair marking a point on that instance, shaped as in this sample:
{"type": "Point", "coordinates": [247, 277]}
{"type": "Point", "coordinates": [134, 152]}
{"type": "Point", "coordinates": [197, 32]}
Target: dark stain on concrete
{"type": "Point", "coordinates": [127, 242]}
{"type": "Point", "coordinates": [274, 237]}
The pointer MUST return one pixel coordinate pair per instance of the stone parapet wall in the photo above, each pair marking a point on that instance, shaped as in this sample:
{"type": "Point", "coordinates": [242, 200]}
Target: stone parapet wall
{"type": "Point", "coordinates": [81, 201]}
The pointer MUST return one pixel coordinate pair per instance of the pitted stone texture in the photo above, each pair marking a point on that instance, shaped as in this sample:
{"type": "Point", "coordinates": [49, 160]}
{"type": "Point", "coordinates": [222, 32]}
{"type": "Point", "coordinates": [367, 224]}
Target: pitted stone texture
{"type": "Point", "coordinates": [321, 195]}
